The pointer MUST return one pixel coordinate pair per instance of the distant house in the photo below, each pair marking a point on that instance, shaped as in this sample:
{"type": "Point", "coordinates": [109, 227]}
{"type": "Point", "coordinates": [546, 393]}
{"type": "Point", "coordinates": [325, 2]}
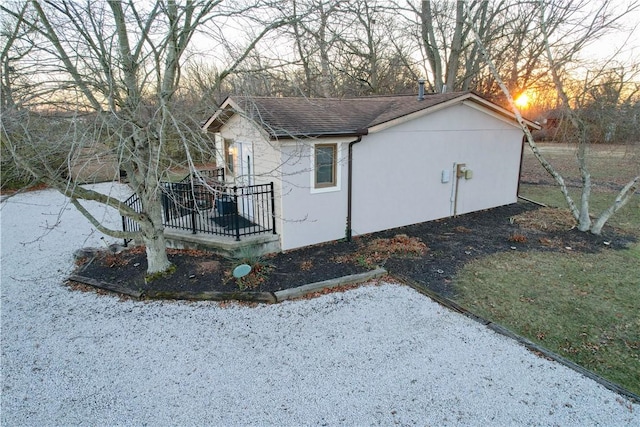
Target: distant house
{"type": "Point", "coordinates": [345, 167]}
{"type": "Point", "coordinates": [550, 124]}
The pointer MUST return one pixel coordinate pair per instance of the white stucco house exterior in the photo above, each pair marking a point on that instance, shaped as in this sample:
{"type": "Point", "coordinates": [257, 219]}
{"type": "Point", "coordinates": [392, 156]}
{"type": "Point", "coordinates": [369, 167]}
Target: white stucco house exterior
{"type": "Point", "coordinates": [346, 167]}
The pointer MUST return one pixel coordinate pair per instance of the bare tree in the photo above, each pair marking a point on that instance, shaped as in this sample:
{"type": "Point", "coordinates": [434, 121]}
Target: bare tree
{"type": "Point", "coordinates": [371, 55]}
{"type": "Point", "coordinates": [116, 67]}
{"type": "Point", "coordinates": [316, 30]}
{"type": "Point", "coordinates": [444, 39]}
{"type": "Point", "coordinates": [601, 20]}
{"type": "Point", "coordinates": [606, 99]}
{"type": "Point", "coordinates": [450, 55]}
{"type": "Point", "coordinates": [581, 29]}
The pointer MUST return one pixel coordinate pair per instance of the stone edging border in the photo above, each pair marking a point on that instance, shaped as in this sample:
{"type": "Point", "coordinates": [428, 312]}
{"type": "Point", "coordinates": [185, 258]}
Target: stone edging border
{"type": "Point", "coordinates": [248, 296]}
{"type": "Point", "coordinates": [530, 345]}
{"type": "Point", "coordinates": [328, 284]}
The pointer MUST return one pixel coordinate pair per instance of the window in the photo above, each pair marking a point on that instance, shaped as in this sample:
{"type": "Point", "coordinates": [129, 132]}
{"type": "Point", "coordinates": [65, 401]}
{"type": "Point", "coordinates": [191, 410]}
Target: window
{"type": "Point", "coordinates": [325, 165]}
{"type": "Point", "coordinates": [229, 151]}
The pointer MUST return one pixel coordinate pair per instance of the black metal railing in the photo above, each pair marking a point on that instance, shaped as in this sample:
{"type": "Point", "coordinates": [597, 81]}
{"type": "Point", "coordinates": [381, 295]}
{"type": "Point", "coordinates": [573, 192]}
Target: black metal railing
{"type": "Point", "coordinates": [209, 175]}
{"type": "Point", "coordinates": [216, 174]}
{"type": "Point", "coordinates": [226, 211]}
{"type": "Point", "coordinates": [211, 207]}
{"type": "Point", "coordinates": [127, 223]}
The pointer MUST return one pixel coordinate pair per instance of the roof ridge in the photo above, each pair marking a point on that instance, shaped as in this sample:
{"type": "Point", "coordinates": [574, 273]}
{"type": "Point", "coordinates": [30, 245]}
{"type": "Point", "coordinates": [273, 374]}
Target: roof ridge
{"type": "Point", "coordinates": [355, 98]}
{"type": "Point", "coordinates": [299, 116]}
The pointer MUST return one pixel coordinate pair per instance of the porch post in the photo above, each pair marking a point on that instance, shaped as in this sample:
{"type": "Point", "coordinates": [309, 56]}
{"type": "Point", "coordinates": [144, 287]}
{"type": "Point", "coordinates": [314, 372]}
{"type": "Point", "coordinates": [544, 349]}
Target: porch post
{"type": "Point", "coordinates": [124, 228]}
{"type": "Point", "coordinates": [193, 205]}
{"type": "Point", "coordinates": [273, 208]}
{"type": "Point", "coordinates": [236, 218]}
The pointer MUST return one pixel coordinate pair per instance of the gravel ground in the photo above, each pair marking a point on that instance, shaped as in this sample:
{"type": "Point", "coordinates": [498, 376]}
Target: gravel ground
{"type": "Point", "coordinates": [374, 355]}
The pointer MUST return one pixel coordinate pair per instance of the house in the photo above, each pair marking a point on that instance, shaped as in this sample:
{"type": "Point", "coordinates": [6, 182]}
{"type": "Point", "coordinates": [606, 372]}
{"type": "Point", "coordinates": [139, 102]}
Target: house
{"type": "Point", "coordinates": [550, 125]}
{"type": "Point", "coordinates": [346, 167]}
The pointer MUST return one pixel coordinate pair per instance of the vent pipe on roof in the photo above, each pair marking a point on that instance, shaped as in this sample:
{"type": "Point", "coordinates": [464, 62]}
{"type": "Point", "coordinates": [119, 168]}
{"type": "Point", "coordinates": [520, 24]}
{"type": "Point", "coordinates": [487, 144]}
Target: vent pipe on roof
{"type": "Point", "coordinates": [421, 90]}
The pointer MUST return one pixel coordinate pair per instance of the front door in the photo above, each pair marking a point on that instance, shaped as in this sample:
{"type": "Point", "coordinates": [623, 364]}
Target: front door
{"type": "Point", "coordinates": [245, 178]}
{"type": "Point", "coordinates": [244, 174]}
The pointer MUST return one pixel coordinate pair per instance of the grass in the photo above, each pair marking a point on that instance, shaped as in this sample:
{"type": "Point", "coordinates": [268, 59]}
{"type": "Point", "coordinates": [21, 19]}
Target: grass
{"type": "Point", "coordinates": [626, 219]}
{"type": "Point", "coordinates": [581, 306]}
{"type": "Point", "coordinates": [607, 163]}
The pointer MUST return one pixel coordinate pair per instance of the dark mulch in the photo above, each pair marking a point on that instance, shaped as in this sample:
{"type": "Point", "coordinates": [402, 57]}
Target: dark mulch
{"type": "Point", "coordinates": [451, 243]}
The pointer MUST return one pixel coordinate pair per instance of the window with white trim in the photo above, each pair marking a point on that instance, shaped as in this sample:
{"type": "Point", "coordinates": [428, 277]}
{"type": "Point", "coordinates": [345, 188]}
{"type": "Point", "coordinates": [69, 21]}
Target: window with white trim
{"type": "Point", "coordinates": [229, 155]}
{"type": "Point", "coordinates": [325, 174]}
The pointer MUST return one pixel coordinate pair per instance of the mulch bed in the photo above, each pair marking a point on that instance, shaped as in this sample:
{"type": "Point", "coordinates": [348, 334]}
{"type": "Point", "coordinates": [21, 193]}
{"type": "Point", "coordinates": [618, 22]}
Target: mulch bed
{"type": "Point", "coordinates": [428, 253]}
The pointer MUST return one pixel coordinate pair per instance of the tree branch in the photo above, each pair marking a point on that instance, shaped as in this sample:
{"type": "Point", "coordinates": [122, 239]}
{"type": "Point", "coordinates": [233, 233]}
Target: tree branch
{"type": "Point", "coordinates": [109, 232]}
{"type": "Point", "coordinates": [545, 164]}
{"type": "Point", "coordinates": [623, 197]}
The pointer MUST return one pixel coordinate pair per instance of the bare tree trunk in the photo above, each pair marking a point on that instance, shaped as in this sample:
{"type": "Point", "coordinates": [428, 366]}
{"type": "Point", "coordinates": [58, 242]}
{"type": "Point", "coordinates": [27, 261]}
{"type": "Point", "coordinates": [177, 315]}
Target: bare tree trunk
{"type": "Point", "coordinates": [299, 46]}
{"type": "Point", "coordinates": [530, 141]}
{"type": "Point", "coordinates": [623, 197]}
{"type": "Point", "coordinates": [153, 238]}
{"type": "Point", "coordinates": [326, 80]}
{"type": "Point", "coordinates": [581, 214]}
{"type": "Point", "coordinates": [584, 220]}
{"type": "Point", "coordinates": [431, 45]}
{"type": "Point", "coordinates": [453, 63]}
{"type": "Point", "coordinates": [146, 145]}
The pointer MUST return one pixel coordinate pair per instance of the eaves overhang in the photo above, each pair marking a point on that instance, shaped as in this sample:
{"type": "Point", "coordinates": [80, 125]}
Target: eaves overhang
{"type": "Point", "coordinates": [356, 132]}
{"type": "Point", "coordinates": [227, 109]}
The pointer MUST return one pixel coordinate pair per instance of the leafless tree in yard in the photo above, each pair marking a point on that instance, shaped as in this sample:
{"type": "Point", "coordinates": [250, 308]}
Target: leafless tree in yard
{"type": "Point", "coordinates": [116, 68]}
{"type": "Point", "coordinates": [452, 58]}
{"type": "Point", "coordinates": [333, 49]}
{"type": "Point", "coordinates": [574, 27]}
{"type": "Point", "coordinates": [607, 100]}
{"type": "Point", "coordinates": [316, 30]}
{"type": "Point", "coordinates": [443, 36]}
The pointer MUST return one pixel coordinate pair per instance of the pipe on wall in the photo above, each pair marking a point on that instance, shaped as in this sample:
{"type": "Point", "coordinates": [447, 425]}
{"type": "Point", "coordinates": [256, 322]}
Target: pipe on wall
{"type": "Point", "coordinates": [350, 187]}
{"type": "Point", "coordinates": [524, 141]}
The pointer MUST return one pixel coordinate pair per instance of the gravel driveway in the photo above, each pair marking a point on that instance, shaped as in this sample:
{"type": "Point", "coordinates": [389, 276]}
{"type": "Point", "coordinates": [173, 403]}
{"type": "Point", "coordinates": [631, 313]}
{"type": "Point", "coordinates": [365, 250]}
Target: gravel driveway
{"type": "Point", "coordinates": [374, 355]}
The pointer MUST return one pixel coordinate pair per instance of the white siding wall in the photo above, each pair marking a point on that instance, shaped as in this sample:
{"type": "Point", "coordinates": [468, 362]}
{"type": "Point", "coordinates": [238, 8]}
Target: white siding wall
{"type": "Point", "coordinates": [396, 177]}
{"type": "Point", "coordinates": [397, 172]}
{"type": "Point", "coordinates": [266, 156]}
{"type": "Point", "coordinates": [310, 217]}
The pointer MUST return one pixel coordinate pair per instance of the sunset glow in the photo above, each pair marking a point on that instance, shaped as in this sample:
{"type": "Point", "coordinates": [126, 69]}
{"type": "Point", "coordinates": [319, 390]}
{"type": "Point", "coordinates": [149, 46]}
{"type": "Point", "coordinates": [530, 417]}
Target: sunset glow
{"type": "Point", "coordinates": [523, 100]}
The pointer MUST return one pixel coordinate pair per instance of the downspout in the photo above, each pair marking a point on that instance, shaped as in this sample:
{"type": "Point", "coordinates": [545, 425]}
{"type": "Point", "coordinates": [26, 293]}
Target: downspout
{"type": "Point", "coordinates": [518, 196]}
{"type": "Point", "coordinates": [524, 140]}
{"type": "Point", "coordinates": [350, 187]}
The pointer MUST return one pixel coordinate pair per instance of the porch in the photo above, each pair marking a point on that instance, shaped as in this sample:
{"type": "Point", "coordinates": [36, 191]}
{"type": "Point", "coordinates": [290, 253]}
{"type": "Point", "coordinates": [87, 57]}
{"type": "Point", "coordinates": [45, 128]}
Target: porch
{"type": "Point", "coordinates": [202, 211]}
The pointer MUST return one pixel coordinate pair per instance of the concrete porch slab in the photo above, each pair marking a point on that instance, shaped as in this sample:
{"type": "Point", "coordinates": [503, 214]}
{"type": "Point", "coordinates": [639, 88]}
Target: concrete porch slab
{"type": "Point", "coordinates": [260, 244]}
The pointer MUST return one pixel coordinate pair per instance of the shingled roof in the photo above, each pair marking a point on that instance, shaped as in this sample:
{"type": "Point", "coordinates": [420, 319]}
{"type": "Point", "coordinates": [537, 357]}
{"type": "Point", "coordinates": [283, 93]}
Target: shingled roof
{"type": "Point", "coordinates": [310, 117]}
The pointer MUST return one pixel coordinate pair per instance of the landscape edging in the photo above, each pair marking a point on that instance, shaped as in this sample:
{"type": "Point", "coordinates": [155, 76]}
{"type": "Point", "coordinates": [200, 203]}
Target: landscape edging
{"type": "Point", "coordinates": [328, 284]}
{"type": "Point", "coordinates": [530, 345]}
{"type": "Point", "coordinates": [268, 297]}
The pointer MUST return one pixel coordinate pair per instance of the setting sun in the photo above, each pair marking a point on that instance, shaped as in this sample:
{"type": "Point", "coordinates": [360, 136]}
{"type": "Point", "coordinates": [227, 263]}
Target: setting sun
{"type": "Point", "coordinates": [523, 100]}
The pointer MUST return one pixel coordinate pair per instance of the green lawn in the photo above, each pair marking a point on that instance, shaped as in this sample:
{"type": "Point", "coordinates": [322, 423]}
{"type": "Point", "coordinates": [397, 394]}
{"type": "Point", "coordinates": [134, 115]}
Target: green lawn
{"type": "Point", "coordinates": [585, 307]}
{"type": "Point", "coordinates": [581, 306]}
